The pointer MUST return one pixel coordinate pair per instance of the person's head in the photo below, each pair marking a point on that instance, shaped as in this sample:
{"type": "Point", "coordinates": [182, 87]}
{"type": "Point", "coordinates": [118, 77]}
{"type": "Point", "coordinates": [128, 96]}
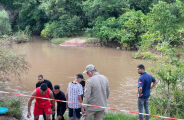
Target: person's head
{"type": "Point", "coordinates": [40, 78]}
{"type": "Point", "coordinates": [56, 89]}
{"type": "Point", "coordinates": [140, 69]}
{"type": "Point", "coordinates": [79, 77]}
{"type": "Point", "coordinates": [90, 70]}
{"type": "Point", "coordinates": [43, 87]}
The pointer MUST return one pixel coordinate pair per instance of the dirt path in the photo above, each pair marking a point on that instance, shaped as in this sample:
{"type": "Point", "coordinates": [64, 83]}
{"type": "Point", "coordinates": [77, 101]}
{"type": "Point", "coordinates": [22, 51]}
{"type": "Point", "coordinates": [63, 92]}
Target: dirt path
{"type": "Point", "coordinates": [75, 42]}
{"type": "Point", "coordinates": [3, 117]}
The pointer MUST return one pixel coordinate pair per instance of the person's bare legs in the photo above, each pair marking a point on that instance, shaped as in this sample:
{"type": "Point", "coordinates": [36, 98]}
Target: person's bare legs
{"type": "Point", "coordinates": [60, 117]}
{"type": "Point", "coordinates": [69, 118]}
{"type": "Point", "coordinates": [36, 117]}
{"type": "Point", "coordinates": [47, 116]}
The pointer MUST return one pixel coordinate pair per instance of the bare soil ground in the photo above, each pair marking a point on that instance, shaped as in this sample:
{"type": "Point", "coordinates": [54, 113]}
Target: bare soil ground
{"type": "Point", "coordinates": [76, 42]}
{"type": "Point", "coordinates": [4, 117]}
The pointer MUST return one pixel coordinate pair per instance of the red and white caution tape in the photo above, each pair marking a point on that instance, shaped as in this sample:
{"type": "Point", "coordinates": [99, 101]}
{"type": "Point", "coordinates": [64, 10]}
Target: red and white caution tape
{"type": "Point", "coordinates": [108, 108]}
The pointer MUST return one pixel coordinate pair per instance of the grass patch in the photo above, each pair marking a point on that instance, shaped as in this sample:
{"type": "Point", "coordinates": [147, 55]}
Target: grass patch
{"type": "Point", "coordinates": [21, 37]}
{"type": "Point", "coordinates": [115, 116]}
{"type": "Point", "coordinates": [59, 40]}
{"type": "Point", "coordinates": [14, 108]}
{"type": "Point", "coordinates": [119, 116]}
{"type": "Point", "coordinates": [144, 55]}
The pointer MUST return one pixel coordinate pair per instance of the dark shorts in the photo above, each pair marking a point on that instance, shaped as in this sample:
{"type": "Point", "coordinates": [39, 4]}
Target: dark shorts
{"type": "Point", "coordinates": [77, 112]}
{"type": "Point", "coordinates": [60, 112]}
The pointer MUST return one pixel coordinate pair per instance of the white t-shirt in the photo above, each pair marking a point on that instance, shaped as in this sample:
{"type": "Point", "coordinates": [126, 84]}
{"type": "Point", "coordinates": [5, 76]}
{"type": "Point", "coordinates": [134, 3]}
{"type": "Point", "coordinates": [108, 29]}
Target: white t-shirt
{"type": "Point", "coordinates": [74, 90]}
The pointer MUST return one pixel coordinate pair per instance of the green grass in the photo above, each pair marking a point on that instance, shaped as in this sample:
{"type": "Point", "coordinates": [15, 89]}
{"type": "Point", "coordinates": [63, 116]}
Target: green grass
{"type": "Point", "coordinates": [59, 40]}
{"type": "Point", "coordinates": [115, 116]}
{"type": "Point", "coordinates": [14, 108]}
{"type": "Point", "coordinates": [119, 116]}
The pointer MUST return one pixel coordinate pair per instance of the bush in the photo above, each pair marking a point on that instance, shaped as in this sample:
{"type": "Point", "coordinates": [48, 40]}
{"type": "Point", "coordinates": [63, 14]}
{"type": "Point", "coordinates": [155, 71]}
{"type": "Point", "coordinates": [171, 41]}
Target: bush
{"type": "Point", "coordinates": [126, 29]}
{"type": "Point", "coordinates": [29, 14]}
{"type": "Point", "coordinates": [5, 26]}
{"type": "Point", "coordinates": [10, 63]}
{"type": "Point", "coordinates": [67, 26]}
{"type": "Point", "coordinates": [21, 37]}
{"type": "Point", "coordinates": [14, 108]}
{"type": "Point", "coordinates": [145, 55]}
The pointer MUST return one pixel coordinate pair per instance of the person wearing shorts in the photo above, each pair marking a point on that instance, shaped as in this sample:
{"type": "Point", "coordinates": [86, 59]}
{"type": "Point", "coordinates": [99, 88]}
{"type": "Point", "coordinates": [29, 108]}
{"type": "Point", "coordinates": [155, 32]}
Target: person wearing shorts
{"type": "Point", "coordinates": [41, 105]}
{"type": "Point", "coordinates": [61, 106]}
{"type": "Point", "coordinates": [74, 94]}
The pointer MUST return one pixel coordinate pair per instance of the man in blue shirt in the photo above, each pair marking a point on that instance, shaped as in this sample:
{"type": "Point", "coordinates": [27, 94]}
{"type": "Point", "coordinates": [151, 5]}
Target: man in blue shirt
{"type": "Point", "coordinates": [145, 83]}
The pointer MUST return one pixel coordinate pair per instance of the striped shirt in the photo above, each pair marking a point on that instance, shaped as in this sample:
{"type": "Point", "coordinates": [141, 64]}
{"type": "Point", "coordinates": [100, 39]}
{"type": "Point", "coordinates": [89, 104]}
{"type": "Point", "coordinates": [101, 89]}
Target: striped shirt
{"type": "Point", "coordinates": [74, 90]}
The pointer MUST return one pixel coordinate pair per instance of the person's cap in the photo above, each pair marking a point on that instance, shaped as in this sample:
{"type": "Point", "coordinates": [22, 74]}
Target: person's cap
{"type": "Point", "coordinates": [89, 67]}
{"type": "Point", "coordinates": [79, 76]}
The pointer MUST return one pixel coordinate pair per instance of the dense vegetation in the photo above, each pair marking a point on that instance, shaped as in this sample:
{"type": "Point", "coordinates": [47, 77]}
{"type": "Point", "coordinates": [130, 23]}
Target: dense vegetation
{"type": "Point", "coordinates": [124, 22]}
{"type": "Point", "coordinates": [154, 27]}
{"type": "Point", "coordinates": [10, 63]}
{"type": "Point", "coordinates": [14, 108]}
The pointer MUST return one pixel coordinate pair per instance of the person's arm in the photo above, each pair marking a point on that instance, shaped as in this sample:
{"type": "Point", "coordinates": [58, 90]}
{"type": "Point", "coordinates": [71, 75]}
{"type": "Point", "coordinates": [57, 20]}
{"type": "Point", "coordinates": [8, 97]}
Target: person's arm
{"type": "Point", "coordinates": [107, 89]}
{"type": "Point", "coordinates": [52, 101]}
{"type": "Point", "coordinates": [80, 93]}
{"type": "Point", "coordinates": [154, 82]}
{"type": "Point", "coordinates": [80, 99]}
{"type": "Point", "coordinates": [63, 103]}
{"type": "Point", "coordinates": [29, 104]}
{"type": "Point", "coordinates": [67, 100]}
{"type": "Point", "coordinates": [140, 92]}
{"type": "Point", "coordinates": [140, 85]}
{"type": "Point", "coordinates": [87, 92]}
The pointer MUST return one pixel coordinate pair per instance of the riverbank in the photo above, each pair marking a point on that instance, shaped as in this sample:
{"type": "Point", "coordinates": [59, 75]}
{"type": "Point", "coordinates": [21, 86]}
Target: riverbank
{"type": "Point", "coordinates": [15, 112]}
{"type": "Point", "coordinates": [78, 41]}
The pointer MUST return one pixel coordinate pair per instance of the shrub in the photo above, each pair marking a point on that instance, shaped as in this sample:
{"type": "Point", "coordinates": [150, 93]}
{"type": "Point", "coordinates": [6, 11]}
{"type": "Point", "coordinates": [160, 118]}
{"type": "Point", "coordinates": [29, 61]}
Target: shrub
{"type": "Point", "coordinates": [67, 26]}
{"type": "Point", "coordinates": [126, 29]}
{"type": "Point", "coordinates": [14, 108]}
{"type": "Point", "coordinates": [21, 37]}
{"type": "Point", "coordinates": [5, 26]}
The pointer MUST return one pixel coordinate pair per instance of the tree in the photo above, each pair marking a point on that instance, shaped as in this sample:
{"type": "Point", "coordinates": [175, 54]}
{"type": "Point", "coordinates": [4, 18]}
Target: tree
{"type": "Point", "coordinates": [31, 16]}
{"type": "Point", "coordinates": [143, 5]}
{"type": "Point", "coordinates": [163, 19]}
{"type": "Point", "coordinates": [125, 30]}
{"type": "Point", "coordinates": [103, 8]}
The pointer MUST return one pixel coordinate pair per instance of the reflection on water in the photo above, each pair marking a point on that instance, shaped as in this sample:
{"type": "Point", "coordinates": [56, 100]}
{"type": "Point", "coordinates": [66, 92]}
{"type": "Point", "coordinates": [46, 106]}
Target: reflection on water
{"type": "Point", "coordinates": [60, 65]}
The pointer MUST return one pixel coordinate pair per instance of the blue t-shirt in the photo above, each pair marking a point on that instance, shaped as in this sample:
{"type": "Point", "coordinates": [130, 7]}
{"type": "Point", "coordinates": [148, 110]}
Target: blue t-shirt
{"type": "Point", "coordinates": [145, 81]}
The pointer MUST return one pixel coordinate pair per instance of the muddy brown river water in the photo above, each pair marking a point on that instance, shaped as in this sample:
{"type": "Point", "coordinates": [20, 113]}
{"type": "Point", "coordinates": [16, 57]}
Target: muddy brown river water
{"type": "Point", "coordinates": [60, 65]}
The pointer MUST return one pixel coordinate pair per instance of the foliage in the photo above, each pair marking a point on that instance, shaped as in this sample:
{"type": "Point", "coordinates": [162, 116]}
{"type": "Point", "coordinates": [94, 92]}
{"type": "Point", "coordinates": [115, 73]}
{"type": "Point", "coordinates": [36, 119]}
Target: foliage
{"type": "Point", "coordinates": [165, 19]}
{"type": "Point", "coordinates": [125, 29]}
{"type": "Point", "coordinates": [145, 55]}
{"type": "Point", "coordinates": [169, 71]}
{"type": "Point", "coordinates": [21, 37]}
{"type": "Point", "coordinates": [104, 8]}
{"type": "Point", "coordinates": [31, 16]}
{"type": "Point", "coordinates": [5, 27]}
{"type": "Point", "coordinates": [118, 116]}
{"type": "Point", "coordinates": [143, 5]}
{"type": "Point", "coordinates": [14, 108]}
{"type": "Point", "coordinates": [10, 63]}
{"type": "Point", "coordinates": [67, 26]}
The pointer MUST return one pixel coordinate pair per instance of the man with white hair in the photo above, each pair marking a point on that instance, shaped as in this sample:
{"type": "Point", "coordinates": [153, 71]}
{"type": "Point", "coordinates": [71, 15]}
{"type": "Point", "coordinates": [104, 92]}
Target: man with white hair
{"type": "Point", "coordinates": [96, 93]}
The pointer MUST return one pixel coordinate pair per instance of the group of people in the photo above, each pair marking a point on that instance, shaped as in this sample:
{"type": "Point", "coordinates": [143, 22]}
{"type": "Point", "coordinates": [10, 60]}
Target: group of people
{"type": "Point", "coordinates": [94, 91]}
